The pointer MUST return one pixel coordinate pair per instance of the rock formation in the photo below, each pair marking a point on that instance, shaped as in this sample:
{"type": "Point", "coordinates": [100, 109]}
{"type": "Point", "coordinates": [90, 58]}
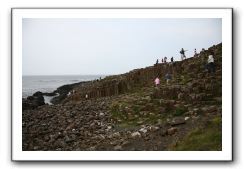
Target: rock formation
{"type": "Point", "coordinates": [32, 102]}
{"type": "Point", "coordinates": [126, 112]}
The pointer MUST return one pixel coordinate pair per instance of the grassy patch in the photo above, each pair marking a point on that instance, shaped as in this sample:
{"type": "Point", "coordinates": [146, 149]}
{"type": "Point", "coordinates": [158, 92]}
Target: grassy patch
{"type": "Point", "coordinates": [208, 138]}
{"type": "Point", "coordinates": [136, 109]}
{"type": "Point", "coordinates": [179, 111]}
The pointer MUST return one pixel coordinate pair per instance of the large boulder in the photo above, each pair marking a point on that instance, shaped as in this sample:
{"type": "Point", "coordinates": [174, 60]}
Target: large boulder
{"type": "Point", "coordinates": [32, 102]}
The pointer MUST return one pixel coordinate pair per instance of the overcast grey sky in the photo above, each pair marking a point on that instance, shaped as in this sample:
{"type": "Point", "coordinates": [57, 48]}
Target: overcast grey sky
{"type": "Point", "coordinates": [110, 46]}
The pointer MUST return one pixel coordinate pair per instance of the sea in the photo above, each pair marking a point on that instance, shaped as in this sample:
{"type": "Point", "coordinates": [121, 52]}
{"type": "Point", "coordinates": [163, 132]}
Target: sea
{"type": "Point", "coordinates": [32, 84]}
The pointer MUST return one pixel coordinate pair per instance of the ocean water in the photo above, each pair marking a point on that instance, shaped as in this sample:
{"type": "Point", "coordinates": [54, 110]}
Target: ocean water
{"type": "Point", "coordinates": [32, 84]}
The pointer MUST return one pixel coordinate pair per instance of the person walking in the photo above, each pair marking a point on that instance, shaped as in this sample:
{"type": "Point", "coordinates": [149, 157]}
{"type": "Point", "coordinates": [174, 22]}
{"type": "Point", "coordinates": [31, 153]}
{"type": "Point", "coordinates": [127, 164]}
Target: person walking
{"type": "Point", "coordinates": [168, 77]}
{"type": "Point", "coordinates": [157, 82]}
{"type": "Point", "coordinates": [182, 52]}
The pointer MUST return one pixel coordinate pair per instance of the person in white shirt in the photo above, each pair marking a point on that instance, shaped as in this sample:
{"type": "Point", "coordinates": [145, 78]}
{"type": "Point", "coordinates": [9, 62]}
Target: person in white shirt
{"type": "Point", "coordinates": [211, 66]}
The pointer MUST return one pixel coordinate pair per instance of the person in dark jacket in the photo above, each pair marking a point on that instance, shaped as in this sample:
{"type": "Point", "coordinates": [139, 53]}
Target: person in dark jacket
{"type": "Point", "coordinates": [182, 52]}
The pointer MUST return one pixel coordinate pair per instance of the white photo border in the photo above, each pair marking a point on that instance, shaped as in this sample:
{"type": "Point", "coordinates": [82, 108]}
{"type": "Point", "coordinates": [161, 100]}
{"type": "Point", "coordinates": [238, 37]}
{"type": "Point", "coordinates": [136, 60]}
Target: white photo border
{"type": "Point", "coordinates": [16, 51]}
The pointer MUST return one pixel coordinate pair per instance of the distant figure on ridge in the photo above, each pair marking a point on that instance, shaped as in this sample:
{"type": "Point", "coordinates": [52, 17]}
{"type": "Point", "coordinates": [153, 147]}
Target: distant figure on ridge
{"type": "Point", "coordinates": [182, 52]}
{"type": "Point", "coordinates": [203, 50]}
{"type": "Point", "coordinates": [172, 59]}
{"type": "Point", "coordinates": [168, 77]}
{"type": "Point", "coordinates": [165, 59]}
{"type": "Point", "coordinates": [156, 62]}
{"type": "Point", "coordinates": [195, 52]}
{"type": "Point", "coordinates": [157, 81]}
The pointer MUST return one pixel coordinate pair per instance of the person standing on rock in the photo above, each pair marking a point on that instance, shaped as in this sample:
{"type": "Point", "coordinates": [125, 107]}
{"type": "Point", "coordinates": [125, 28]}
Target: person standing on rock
{"type": "Point", "coordinates": [211, 66]}
{"type": "Point", "coordinates": [156, 62]}
{"type": "Point", "coordinates": [195, 52]}
{"type": "Point", "coordinates": [157, 82]}
{"type": "Point", "coordinates": [182, 52]}
{"type": "Point", "coordinates": [165, 59]}
{"type": "Point", "coordinates": [168, 78]}
{"type": "Point", "coordinates": [172, 60]}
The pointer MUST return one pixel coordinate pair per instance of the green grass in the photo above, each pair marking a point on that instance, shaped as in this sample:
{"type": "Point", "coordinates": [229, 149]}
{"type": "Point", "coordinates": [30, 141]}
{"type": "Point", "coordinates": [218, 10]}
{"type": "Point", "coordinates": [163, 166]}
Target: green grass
{"type": "Point", "coordinates": [136, 109]}
{"type": "Point", "coordinates": [203, 139]}
{"type": "Point", "coordinates": [179, 111]}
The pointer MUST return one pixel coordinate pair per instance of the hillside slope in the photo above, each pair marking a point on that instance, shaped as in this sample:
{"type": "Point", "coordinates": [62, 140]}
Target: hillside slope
{"type": "Point", "coordinates": [126, 112]}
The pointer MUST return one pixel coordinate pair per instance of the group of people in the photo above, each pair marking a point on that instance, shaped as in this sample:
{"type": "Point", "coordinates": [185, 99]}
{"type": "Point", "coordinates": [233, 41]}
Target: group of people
{"type": "Point", "coordinates": [168, 77]}
{"type": "Point", "coordinates": [210, 66]}
{"type": "Point", "coordinates": [164, 60]}
{"type": "Point", "coordinates": [71, 93]}
{"type": "Point", "coordinates": [183, 56]}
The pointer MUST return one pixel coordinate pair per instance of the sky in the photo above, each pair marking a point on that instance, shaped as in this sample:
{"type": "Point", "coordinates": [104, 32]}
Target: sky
{"type": "Point", "coordinates": [110, 46]}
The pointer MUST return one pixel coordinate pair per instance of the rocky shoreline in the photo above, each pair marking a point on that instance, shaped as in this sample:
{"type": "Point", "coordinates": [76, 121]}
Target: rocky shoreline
{"type": "Point", "coordinates": [127, 113]}
{"type": "Point", "coordinates": [37, 99]}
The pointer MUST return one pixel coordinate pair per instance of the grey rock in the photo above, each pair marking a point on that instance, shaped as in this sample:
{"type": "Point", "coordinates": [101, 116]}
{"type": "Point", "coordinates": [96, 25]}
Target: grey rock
{"type": "Point", "coordinates": [172, 130]}
{"type": "Point", "coordinates": [135, 134]}
{"type": "Point", "coordinates": [177, 121]}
